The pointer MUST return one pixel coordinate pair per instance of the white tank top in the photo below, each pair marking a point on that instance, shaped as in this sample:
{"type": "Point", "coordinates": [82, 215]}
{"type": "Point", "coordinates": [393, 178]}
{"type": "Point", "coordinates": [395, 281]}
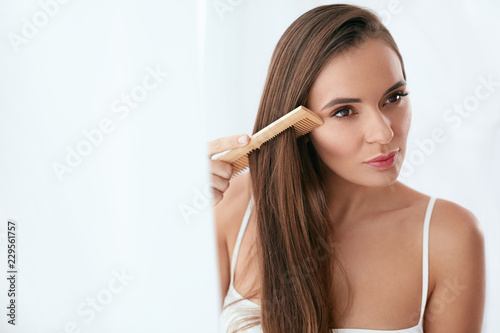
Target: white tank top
{"type": "Point", "coordinates": [237, 311]}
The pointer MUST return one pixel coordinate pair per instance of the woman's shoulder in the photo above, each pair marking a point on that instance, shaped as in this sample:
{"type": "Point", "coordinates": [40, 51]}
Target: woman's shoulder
{"type": "Point", "coordinates": [451, 216]}
{"type": "Point", "coordinates": [448, 219]}
{"type": "Point", "coordinates": [456, 233]}
{"type": "Point", "coordinates": [446, 214]}
{"type": "Point", "coordinates": [457, 263]}
{"type": "Point", "coordinates": [456, 244]}
{"type": "Point", "coordinates": [230, 210]}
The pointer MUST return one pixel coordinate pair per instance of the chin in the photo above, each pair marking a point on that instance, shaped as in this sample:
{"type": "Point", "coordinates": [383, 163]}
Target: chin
{"type": "Point", "coordinates": [386, 178]}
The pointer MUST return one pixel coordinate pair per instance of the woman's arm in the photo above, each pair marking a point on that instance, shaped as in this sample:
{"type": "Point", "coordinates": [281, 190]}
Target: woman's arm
{"type": "Point", "coordinates": [220, 180]}
{"type": "Point", "coordinates": [228, 215]}
{"type": "Point", "coordinates": [457, 264]}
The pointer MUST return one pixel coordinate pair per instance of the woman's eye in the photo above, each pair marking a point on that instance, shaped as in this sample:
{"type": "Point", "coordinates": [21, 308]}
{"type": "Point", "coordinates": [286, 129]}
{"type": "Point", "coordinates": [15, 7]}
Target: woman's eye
{"type": "Point", "coordinates": [346, 111]}
{"type": "Point", "coordinates": [342, 113]}
{"type": "Point", "coordinates": [395, 97]}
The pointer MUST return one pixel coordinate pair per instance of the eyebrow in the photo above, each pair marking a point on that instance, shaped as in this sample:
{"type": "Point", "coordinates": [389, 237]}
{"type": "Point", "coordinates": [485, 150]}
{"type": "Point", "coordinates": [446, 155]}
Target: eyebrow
{"type": "Point", "coordinates": [341, 100]}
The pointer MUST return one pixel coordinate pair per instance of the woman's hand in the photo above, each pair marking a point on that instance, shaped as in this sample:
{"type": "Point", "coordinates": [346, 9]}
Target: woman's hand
{"type": "Point", "coordinates": [221, 171]}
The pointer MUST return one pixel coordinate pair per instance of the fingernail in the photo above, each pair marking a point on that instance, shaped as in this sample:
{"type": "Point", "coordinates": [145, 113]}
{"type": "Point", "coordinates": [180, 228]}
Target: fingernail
{"type": "Point", "coordinates": [243, 139]}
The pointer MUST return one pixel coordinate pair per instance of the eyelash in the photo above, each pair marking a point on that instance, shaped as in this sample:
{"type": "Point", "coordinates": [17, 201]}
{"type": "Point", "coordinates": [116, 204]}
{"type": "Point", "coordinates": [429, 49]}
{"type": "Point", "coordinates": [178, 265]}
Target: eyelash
{"type": "Point", "coordinates": [399, 94]}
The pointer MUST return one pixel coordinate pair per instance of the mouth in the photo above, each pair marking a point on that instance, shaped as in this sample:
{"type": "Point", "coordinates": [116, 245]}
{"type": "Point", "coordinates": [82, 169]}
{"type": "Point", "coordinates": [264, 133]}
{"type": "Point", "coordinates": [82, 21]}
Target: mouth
{"type": "Point", "coordinates": [383, 161]}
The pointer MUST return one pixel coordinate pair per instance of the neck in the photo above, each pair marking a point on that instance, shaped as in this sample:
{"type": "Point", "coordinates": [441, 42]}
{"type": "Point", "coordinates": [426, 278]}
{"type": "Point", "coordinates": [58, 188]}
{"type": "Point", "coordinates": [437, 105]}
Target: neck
{"type": "Point", "coordinates": [349, 201]}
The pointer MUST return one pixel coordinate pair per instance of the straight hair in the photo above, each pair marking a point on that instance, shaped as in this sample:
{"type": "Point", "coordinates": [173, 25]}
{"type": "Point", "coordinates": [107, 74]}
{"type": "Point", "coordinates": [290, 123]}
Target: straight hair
{"type": "Point", "coordinates": [295, 233]}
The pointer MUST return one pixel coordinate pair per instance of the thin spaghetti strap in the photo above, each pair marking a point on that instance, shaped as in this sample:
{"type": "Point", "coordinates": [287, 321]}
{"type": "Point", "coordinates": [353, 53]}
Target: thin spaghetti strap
{"type": "Point", "coordinates": [240, 237]}
{"type": "Point", "coordinates": [425, 256]}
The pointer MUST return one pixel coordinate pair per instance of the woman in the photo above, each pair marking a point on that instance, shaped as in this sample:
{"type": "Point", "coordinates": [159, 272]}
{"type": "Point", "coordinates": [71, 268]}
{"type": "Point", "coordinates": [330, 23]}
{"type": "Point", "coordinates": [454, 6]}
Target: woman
{"type": "Point", "coordinates": [324, 235]}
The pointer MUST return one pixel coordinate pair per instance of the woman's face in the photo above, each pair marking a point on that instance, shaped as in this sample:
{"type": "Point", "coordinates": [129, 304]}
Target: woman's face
{"type": "Point", "coordinates": [360, 96]}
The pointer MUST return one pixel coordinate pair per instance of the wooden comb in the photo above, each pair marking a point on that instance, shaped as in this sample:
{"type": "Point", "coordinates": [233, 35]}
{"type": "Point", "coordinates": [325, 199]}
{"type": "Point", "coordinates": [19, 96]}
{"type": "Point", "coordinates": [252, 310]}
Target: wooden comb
{"type": "Point", "coordinates": [301, 119]}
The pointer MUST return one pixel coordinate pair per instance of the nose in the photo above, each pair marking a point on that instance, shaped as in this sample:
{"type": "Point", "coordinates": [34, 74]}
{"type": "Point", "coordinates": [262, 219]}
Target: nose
{"type": "Point", "coordinates": [378, 127]}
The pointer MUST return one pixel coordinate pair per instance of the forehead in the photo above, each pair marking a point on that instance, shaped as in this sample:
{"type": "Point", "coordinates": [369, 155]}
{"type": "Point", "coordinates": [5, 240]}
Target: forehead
{"type": "Point", "coordinates": [372, 66]}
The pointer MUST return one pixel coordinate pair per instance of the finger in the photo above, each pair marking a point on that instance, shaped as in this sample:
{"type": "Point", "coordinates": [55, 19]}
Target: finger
{"type": "Point", "coordinates": [221, 168]}
{"type": "Point", "coordinates": [220, 183]}
{"type": "Point", "coordinates": [229, 142]}
{"type": "Point", "coordinates": [217, 196]}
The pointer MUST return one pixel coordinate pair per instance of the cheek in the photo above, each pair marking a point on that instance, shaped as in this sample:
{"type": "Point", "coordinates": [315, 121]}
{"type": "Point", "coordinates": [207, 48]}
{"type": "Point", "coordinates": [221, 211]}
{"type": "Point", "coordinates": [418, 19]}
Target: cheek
{"type": "Point", "coordinates": [402, 123]}
{"type": "Point", "coordinates": [335, 143]}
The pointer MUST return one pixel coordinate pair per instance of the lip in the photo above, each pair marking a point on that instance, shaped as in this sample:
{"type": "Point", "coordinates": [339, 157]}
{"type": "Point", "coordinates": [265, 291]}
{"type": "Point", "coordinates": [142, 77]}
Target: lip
{"type": "Point", "coordinates": [383, 161]}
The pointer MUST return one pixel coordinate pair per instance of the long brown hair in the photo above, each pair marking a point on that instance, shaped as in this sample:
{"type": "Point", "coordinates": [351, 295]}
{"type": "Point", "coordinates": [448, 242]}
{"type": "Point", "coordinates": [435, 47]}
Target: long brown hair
{"type": "Point", "coordinates": [295, 234]}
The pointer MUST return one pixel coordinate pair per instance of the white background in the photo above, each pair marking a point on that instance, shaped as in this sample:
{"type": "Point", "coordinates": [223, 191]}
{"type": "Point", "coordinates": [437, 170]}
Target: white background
{"type": "Point", "coordinates": [119, 208]}
{"type": "Point", "coordinates": [136, 202]}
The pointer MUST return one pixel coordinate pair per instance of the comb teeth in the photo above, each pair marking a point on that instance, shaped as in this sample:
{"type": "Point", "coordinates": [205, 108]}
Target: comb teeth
{"type": "Point", "coordinates": [240, 164]}
{"type": "Point", "coordinates": [301, 119]}
{"type": "Point", "coordinates": [303, 127]}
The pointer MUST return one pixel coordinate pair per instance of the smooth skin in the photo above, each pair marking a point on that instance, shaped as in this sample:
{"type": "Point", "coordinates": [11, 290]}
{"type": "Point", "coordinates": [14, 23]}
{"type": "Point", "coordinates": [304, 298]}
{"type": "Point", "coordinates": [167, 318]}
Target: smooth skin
{"type": "Point", "coordinates": [378, 220]}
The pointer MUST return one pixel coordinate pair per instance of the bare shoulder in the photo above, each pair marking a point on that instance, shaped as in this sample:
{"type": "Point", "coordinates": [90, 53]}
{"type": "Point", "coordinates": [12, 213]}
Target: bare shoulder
{"type": "Point", "coordinates": [457, 281]}
{"type": "Point", "coordinates": [454, 228]}
{"type": "Point", "coordinates": [457, 264]}
{"type": "Point", "coordinates": [228, 211]}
